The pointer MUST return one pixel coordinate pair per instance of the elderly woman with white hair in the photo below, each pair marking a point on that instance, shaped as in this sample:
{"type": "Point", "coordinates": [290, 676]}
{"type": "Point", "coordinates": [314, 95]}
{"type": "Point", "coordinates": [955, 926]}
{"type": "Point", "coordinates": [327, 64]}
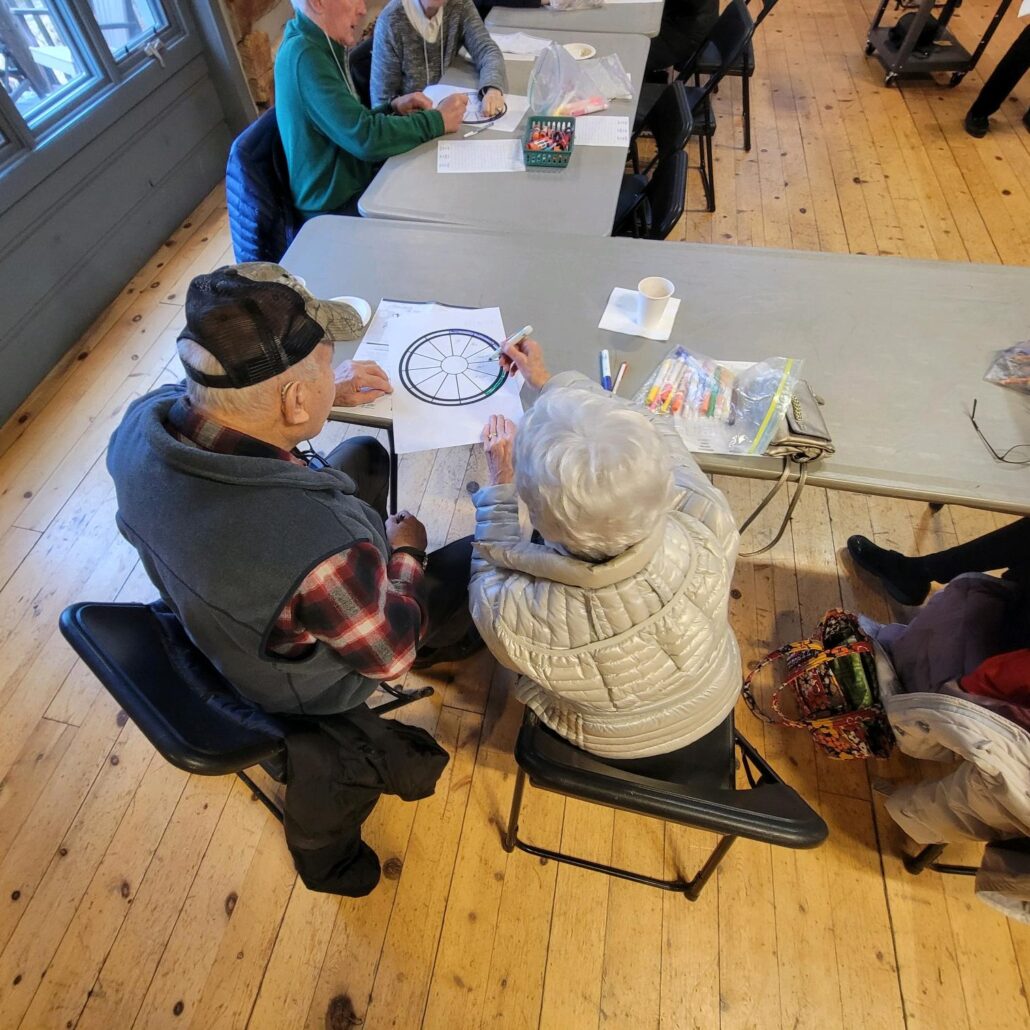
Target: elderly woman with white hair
{"type": "Point", "coordinates": [617, 620]}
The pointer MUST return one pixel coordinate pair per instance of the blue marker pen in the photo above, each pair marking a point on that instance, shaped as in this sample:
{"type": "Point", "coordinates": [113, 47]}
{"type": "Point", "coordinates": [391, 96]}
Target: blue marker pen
{"type": "Point", "coordinates": [606, 370]}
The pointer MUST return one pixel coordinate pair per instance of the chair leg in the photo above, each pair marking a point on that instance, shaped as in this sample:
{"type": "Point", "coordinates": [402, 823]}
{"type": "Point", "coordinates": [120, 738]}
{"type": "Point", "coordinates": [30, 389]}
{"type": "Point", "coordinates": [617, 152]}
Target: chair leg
{"type": "Point", "coordinates": [401, 697]}
{"type": "Point", "coordinates": [710, 162]}
{"type": "Point", "coordinates": [695, 886]}
{"type": "Point", "coordinates": [511, 833]}
{"type": "Point", "coordinates": [261, 795]}
{"type": "Point", "coordinates": [705, 168]}
{"type": "Point", "coordinates": [927, 859]}
{"type": "Point", "coordinates": [393, 470]}
{"type": "Point", "coordinates": [746, 97]}
{"type": "Point", "coordinates": [691, 889]}
{"type": "Point", "coordinates": [915, 864]}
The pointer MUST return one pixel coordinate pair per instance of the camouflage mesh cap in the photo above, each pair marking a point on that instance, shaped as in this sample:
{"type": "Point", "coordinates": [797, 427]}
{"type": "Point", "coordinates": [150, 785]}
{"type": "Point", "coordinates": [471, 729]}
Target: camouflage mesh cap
{"type": "Point", "coordinates": [258, 320]}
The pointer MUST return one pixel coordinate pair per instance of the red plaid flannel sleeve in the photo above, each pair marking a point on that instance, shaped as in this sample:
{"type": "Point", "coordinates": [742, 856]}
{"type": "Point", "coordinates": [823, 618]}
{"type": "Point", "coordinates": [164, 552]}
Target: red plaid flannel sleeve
{"type": "Point", "coordinates": [370, 611]}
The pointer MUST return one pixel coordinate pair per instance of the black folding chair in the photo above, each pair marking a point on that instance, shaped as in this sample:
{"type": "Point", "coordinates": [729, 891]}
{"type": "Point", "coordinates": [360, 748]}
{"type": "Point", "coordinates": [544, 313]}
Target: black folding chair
{"type": "Point", "coordinates": [693, 786]}
{"type": "Point", "coordinates": [709, 61]}
{"type": "Point", "coordinates": [184, 707]}
{"type": "Point", "coordinates": [730, 35]}
{"type": "Point", "coordinates": [669, 123]}
{"type": "Point", "coordinates": [660, 206]}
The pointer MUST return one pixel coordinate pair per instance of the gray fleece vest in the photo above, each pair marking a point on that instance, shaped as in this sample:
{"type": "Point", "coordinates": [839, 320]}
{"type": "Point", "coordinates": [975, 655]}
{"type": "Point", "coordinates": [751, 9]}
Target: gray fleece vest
{"type": "Point", "coordinates": [227, 540]}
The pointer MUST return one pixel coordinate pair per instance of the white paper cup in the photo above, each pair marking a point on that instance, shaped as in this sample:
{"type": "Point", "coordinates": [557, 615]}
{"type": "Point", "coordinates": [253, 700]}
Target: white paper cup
{"type": "Point", "coordinates": [653, 295]}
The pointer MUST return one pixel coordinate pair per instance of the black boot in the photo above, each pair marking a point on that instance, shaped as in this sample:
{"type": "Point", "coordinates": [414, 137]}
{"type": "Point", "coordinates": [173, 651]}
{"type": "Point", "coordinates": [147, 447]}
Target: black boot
{"type": "Point", "coordinates": [905, 584]}
{"type": "Point", "coordinates": [976, 125]}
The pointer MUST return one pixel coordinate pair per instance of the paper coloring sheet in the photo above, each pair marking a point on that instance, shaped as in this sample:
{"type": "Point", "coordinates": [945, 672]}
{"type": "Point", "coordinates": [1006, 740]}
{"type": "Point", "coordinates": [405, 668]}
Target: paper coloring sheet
{"type": "Point", "coordinates": [446, 378]}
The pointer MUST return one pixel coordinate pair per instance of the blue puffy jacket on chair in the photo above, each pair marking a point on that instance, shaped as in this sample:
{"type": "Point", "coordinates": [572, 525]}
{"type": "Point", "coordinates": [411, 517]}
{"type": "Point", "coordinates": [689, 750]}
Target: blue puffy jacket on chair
{"type": "Point", "coordinates": [262, 219]}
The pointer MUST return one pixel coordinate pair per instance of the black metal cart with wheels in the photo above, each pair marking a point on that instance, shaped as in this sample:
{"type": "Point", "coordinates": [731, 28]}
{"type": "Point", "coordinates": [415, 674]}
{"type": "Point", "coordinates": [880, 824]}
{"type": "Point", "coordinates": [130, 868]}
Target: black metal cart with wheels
{"type": "Point", "coordinates": [946, 54]}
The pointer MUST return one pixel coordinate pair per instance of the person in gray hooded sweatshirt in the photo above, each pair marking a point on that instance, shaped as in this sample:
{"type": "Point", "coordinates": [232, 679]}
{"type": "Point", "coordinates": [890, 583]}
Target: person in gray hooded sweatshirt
{"type": "Point", "coordinates": [416, 41]}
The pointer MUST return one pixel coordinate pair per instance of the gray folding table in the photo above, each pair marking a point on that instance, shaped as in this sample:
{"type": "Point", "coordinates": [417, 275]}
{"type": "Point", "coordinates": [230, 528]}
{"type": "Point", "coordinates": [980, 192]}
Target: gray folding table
{"type": "Point", "coordinates": [578, 199]}
{"type": "Point", "coordinates": [897, 348]}
{"type": "Point", "coordinates": [644, 18]}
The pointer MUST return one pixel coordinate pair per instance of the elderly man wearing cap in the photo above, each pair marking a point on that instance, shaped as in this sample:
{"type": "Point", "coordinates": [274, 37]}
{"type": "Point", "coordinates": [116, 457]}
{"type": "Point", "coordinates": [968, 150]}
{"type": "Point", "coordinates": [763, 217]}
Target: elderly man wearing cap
{"type": "Point", "coordinates": [281, 565]}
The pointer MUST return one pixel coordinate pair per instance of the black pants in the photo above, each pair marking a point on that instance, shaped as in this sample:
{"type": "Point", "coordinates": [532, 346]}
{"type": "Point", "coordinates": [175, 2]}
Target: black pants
{"type": "Point", "coordinates": [685, 26]}
{"type": "Point", "coordinates": [1005, 548]}
{"type": "Point", "coordinates": [1004, 79]}
{"type": "Point", "coordinates": [367, 462]}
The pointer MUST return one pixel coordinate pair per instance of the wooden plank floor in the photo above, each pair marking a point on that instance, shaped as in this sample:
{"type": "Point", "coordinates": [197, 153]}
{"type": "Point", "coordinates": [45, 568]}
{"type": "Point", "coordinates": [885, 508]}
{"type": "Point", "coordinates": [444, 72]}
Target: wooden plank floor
{"type": "Point", "coordinates": [134, 895]}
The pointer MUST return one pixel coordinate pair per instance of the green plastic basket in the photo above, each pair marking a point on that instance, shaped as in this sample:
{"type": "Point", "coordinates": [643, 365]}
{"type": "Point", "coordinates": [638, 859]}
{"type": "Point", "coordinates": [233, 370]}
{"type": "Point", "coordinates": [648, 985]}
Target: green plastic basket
{"type": "Point", "coordinates": [548, 158]}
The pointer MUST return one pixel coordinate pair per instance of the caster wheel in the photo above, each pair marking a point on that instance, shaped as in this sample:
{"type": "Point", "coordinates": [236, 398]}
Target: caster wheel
{"type": "Point", "coordinates": [868, 48]}
{"type": "Point", "coordinates": [890, 78]}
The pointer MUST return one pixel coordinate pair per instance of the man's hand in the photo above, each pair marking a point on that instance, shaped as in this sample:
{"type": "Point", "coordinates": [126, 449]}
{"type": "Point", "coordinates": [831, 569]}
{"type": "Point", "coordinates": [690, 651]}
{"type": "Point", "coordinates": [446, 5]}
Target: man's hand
{"type": "Point", "coordinates": [360, 382]}
{"type": "Point", "coordinates": [404, 530]}
{"type": "Point", "coordinates": [453, 110]}
{"type": "Point", "coordinates": [411, 102]}
{"type": "Point", "coordinates": [527, 357]}
{"type": "Point", "coordinates": [499, 446]}
{"type": "Point", "coordinates": [492, 104]}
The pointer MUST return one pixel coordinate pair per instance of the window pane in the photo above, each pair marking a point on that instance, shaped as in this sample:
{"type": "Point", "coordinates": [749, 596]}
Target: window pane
{"type": "Point", "coordinates": [38, 62]}
{"type": "Point", "coordinates": [127, 23]}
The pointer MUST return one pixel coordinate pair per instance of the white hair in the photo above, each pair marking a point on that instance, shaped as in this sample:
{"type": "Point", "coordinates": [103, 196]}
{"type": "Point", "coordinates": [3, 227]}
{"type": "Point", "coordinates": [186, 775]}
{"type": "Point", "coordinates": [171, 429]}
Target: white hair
{"type": "Point", "coordinates": [594, 474]}
{"type": "Point", "coordinates": [247, 402]}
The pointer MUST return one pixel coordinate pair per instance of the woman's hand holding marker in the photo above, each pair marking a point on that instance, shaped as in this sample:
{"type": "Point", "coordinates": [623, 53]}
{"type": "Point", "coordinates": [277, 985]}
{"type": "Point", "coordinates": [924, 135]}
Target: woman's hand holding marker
{"type": "Point", "coordinates": [521, 353]}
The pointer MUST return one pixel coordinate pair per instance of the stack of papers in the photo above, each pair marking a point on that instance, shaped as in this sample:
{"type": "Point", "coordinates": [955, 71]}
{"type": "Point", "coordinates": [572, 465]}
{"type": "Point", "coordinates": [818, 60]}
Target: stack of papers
{"type": "Point", "coordinates": [598, 130]}
{"type": "Point", "coordinates": [499, 155]}
{"type": "Point", "coordinates": [519, 46]}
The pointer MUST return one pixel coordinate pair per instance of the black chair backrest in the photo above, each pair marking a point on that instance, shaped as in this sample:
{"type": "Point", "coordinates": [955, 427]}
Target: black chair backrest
{"type": "Point", "coordinates": [669, 121]}
{"type": "Point", "coordinates": [767, 6]}
{"type": "Point", "coordinates": [361, 70]}
{"type": "Point", "coordinates": [666, 194]}
{"type": "Point", "coordinates": [184, 707]}
{"type": "Point", "coordinates": [730, 34]}
{"type": "Point", "coordinates": [262, 219]}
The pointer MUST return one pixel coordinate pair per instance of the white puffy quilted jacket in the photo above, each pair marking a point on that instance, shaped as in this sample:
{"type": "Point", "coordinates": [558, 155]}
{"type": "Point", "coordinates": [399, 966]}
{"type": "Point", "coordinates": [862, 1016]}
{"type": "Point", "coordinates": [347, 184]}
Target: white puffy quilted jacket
{"type": "Point", "coordinates": [625, 658]}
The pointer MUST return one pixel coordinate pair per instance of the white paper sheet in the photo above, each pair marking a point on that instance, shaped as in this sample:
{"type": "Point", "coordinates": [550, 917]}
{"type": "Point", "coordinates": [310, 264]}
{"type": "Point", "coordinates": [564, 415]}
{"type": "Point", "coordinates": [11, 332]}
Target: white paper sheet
{"type": "Point", "coordinates": [1024, 9]}
{"type": "Point", "coordinates": [440, 91]}
{"type": "Point", "coordinates": [519, 46]}
{"type": "Point", "coordinates": [497, 155]}
{"type": "Point", "coordinates": [447, 382]}
{"type": "Point", "coordinates": [598, 130]}
{"type": "Point", "coordinates": [373, 348]}
{"type": "Point", "coordinates": [620, 316]}
{"type": "Point", "coordinates": [509, 121]}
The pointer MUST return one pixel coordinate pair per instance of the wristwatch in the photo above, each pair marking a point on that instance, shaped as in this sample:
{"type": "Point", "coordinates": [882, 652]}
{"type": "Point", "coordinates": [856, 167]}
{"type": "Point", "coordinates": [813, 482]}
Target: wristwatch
{"type": "Point", "coordinates": [416, 552]}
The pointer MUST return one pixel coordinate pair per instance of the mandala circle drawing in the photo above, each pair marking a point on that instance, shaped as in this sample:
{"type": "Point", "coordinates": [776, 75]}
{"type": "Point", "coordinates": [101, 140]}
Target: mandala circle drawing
{"type": "Point", "coordinates": [451, 367]}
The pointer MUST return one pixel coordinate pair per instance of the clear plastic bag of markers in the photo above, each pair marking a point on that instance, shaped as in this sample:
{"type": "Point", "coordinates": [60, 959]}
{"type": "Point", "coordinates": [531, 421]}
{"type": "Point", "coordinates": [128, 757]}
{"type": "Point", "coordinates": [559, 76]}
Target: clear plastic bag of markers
{"type": "Point", "coordinates": [725, 407]}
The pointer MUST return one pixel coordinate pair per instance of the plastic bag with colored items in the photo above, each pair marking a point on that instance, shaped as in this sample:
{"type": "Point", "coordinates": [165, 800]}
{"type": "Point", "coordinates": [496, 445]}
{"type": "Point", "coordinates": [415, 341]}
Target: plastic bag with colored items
{"type": "Point", "coordinates": [1011, 368]}
{"type": "Point", "coordinates": [723, 407]}
{"type": "Point", "coordinates": [611, 80]}
{"type": "Point", "coordinates": [558, 85]}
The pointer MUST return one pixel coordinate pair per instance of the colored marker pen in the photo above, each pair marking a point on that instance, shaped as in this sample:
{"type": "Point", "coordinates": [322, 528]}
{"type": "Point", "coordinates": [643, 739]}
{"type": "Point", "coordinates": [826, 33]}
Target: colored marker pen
{"type": "Point", "coordinates": [606, 370]}
{"type": "Point", "coordinates": [618, 378]}
{"type": "Point", "coordinates": [656, 385]}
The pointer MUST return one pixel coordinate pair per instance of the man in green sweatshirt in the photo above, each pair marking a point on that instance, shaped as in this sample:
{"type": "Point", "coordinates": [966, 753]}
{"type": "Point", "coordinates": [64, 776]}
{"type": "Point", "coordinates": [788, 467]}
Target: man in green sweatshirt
{"type": "Point", "coordinates": [334, 144]}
